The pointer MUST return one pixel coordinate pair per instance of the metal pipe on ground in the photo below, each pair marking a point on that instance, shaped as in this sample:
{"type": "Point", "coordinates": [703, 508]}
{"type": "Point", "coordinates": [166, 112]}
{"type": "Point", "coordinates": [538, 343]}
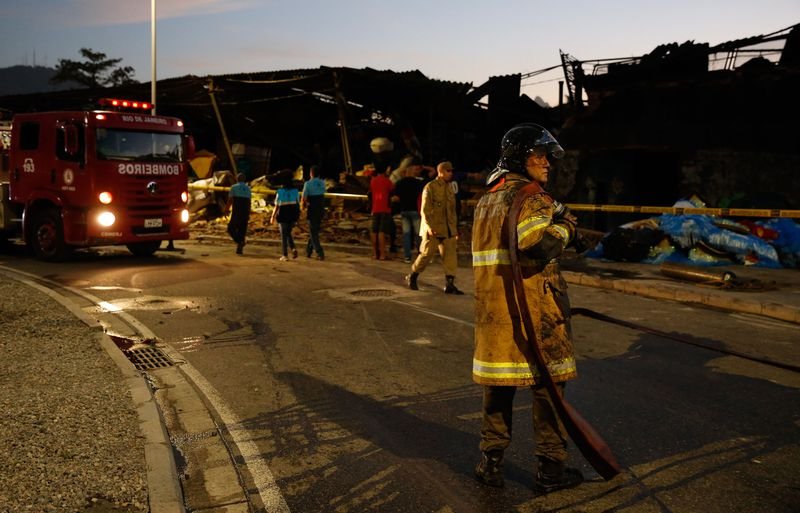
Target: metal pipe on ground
{"type": "Point", "coordinates": [689, 273]}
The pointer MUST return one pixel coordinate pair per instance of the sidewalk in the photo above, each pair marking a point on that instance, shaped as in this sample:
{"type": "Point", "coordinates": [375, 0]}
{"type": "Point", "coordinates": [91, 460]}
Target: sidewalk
{"type": "Point", "coordinates": [773, 293]}
{"type": "Point", "coordinates": [80, 429]}
{"type": "Point", "coordinates": [71, 433]}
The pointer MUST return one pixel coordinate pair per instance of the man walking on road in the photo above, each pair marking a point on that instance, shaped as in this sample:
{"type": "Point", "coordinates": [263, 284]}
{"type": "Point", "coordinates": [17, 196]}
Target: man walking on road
{"type": "Point", "coordinates": [408, 191]}
{"type": "Point", "coordinates": [380, 192]}
{"type": "Point", "coordinates": [239, 206]}
{"type": "Point", "coordinates": [439, 229]}
{"type": "Point", "coordinates": [500, 362]}
{"type": "Point", "coordinates": [314, 203]}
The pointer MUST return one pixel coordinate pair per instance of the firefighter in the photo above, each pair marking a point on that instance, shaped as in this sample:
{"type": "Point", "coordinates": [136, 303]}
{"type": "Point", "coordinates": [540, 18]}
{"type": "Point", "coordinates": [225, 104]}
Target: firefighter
{"type": "Point", "coordinates": [439, 229]}
{"type": "Point", "coordinates": [544, 229]}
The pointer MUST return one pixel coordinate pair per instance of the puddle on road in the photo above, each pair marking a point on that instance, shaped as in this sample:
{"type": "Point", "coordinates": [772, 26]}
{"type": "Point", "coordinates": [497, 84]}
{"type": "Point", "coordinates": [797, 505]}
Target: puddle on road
{"type": "Point", "coordinates": [145, 303]}
{"type": "Point", "coordinates": [189, 344]}
{"type": "Point", "coordinates": [104, 288]}
{"type": "Point", "coordinates": [236, 333]}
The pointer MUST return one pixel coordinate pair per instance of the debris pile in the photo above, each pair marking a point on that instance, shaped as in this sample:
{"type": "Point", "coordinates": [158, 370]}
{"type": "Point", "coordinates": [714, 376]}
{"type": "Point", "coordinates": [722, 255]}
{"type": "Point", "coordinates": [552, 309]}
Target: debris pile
{"type": "Point", "coordinates": [351, 230]}
{"type": "Point", "coordinates": [704, 240]}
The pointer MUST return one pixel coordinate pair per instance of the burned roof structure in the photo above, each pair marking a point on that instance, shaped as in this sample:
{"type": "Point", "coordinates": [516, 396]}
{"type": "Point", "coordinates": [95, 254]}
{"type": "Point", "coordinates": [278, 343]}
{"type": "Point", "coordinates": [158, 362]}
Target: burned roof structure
{"type": "Point", "coordinates": [298, 115]}
{"type": "Point", "coordinates": [718, 121]}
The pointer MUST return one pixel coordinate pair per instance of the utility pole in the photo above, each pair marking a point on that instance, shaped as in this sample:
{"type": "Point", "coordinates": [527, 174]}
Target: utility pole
{"type": "Point", "coordinates": [211, 91]}
{"type": "Point", "coordinates": [341, 103]}
{"type": "Point", "coordinates": [153, 56]}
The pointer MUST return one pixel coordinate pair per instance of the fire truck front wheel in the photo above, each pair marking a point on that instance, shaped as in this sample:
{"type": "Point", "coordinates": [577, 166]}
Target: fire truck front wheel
{"type": "Point", "coordinates": [46, 236]}
{"type": "Point", "coordinates": [144, 249]}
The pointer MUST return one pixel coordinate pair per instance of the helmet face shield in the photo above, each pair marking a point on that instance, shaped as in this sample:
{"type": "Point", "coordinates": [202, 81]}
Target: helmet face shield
{"type": "Point", "coordinates": [551, 150]}
{"type": "Point", "coordinates": [524, 140]}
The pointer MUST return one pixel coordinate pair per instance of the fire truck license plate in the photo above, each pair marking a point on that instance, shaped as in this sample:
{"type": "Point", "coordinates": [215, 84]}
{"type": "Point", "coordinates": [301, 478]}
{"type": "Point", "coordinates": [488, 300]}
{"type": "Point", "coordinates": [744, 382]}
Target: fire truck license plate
{"type": "Point", "coordinates": [153, 223]}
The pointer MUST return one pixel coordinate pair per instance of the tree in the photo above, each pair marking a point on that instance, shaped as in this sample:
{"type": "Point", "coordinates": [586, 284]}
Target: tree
{"type": "Point", "coordinates": [97, 70]}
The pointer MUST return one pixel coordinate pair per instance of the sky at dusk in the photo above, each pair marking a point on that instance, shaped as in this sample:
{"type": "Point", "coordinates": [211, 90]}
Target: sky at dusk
{"type": "Point", "coordinates": [463, 41]}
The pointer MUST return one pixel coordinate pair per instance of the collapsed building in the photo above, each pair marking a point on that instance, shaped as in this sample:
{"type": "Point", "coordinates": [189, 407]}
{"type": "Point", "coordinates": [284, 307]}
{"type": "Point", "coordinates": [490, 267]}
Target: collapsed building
{"type": "Point", "coordinates": [326, 116]}
{"type": "Point", "coordinates": [715, 121]}
{"type": "Point", "coordinates": [719, 122]}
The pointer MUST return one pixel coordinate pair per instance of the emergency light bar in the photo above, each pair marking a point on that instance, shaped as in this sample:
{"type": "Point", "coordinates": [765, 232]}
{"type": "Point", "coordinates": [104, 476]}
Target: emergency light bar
{"type": "Point", "coordinates": [118, 104]}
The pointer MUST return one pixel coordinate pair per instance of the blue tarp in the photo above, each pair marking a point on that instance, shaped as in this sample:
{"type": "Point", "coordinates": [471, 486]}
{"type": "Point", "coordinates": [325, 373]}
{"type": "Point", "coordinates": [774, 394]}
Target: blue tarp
{"type": "Point", "coordinates": [685, 232]}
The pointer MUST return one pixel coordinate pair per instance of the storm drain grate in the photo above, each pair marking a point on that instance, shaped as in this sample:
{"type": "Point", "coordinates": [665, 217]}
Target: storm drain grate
{"type": "Point", "coordinates": [147, 358]}
{"type": "Point", "coordinates": [373, 293]}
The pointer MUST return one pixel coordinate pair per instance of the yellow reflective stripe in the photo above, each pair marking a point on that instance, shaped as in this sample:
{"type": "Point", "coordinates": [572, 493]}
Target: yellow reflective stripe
{"type": "Point", "coordinates": [490, 257]}
{"type": "Point", "coordinates": [520, 370]}
{"type": "Point", "coordinates": [563, 232]}
{"type": "Point", "coordinates": [530, 225]}
{"type": "Point", "coordinates": [500, 364]}
{"type": "Point", "coordinates": [501, 370]}
{"type": "Point", "coordinates": [497, 375]}
{"type": "Point", "coordinates": [499, 257]}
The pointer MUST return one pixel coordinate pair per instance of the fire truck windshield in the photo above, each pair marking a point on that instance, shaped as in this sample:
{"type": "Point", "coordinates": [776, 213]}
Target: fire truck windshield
{"type": "Point", "coordinates": [129, 145]}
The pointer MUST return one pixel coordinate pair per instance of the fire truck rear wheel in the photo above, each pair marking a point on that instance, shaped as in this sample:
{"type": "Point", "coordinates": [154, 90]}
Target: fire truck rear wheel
{"type": "Point", "coordinates": [47, 236]}
{"type": "Point", "coordinates": [144, 249]}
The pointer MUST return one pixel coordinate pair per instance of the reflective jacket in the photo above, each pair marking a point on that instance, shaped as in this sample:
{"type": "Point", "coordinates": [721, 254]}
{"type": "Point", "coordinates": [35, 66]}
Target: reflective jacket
{"type": "Point", "coordinates": [500, 346]}
{"type": "Point", "coordinates": [438, 209]}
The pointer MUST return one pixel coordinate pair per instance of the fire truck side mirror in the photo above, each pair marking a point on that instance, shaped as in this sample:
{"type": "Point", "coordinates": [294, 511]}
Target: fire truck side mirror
{"type": "Point", "coordinates": [191, 149]}
{"type": "Point", "coordinates": [71, 140]}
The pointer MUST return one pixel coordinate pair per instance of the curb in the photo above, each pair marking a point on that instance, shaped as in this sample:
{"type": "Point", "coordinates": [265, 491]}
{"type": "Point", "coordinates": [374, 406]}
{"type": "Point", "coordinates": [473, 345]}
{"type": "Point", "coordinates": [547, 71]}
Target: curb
{"type": "Point", "coordinates": [163, 484]}
{"type": "Point", "coordinates": [657, 289]}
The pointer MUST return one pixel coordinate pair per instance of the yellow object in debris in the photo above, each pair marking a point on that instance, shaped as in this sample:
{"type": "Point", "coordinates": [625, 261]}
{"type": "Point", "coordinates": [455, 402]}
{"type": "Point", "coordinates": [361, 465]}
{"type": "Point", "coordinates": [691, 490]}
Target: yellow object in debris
{"type": "Point", "coordinates": [203, 163]}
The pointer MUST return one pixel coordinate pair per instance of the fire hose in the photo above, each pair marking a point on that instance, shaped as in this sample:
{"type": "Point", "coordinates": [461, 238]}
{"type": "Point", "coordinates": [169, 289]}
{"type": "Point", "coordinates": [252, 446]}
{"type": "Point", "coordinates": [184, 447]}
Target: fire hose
{"type": "Point", "coordinates": [586, 439]}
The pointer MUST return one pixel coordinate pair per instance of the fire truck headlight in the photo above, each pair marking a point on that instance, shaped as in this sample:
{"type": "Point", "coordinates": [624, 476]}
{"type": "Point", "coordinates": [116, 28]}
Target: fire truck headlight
{"type": "Point", "coordinates": [106, 219]}
{"type": "Point", "coordinates": [184, 196]}
{"type": "Point", "coordinates": [105, 197]}
{"type": "Point", "coordinates": [184, 216]}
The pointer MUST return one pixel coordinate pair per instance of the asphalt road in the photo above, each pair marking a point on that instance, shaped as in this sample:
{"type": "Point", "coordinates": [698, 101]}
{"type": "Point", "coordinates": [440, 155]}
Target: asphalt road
{"type": "Point", "coordinates": [357, 391]}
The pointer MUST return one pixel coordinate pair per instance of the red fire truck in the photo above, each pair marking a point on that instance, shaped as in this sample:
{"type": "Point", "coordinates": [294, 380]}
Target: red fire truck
{"type": "Point", "coordinates": [116, 176]}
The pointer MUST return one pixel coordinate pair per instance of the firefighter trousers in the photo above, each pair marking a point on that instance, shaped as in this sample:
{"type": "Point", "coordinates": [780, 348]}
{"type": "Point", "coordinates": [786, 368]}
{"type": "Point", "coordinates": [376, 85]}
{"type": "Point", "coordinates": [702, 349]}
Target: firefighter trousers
{"type": "Point", "coordinates": [548, 430]}
{"type": "Point", "coordinates": [447, 247]}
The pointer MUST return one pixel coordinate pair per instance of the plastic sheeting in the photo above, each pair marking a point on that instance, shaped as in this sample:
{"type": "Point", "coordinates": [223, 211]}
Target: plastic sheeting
{"type": "Point", "coordinates": [708, 240]}
{"type": "Point", "coordinates": [687, 231]}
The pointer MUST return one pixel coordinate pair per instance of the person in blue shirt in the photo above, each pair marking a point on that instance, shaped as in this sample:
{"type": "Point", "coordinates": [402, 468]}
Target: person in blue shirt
{"type": "Point", "coordinates": [314, 203]}
{"type": "Point", "coordinates": [239, 206]}
{"type": "Point", "coordinates": [286, 212]}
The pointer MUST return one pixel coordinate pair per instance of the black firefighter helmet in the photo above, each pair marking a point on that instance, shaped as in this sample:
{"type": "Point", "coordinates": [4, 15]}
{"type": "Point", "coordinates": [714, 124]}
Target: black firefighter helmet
{"type": "Point", "coordinates": [518, 143]}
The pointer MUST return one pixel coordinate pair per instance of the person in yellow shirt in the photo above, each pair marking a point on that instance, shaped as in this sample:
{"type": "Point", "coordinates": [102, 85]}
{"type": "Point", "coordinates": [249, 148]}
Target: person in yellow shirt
{"type": "Point", "coordinates": [438, 229]}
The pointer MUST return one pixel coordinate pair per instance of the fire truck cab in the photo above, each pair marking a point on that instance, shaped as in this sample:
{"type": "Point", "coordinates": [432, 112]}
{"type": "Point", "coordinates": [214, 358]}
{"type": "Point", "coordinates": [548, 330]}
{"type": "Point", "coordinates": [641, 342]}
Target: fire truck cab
{"type": "Point", "coordinates": [95, 178]}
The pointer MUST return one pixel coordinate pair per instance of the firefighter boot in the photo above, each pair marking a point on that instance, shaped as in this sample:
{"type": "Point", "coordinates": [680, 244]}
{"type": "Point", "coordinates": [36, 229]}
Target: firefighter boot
{"type": "Point", "coordinates": [554, 475]}
{"type": "Point", "coordinates": [489, 470]}
{"type": "Point", "coordinates": [411, 281]}
{"type": "Point", "coordinates": [450, 288]}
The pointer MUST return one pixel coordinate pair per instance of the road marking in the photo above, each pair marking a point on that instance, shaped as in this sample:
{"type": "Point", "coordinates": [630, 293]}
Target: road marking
{"type": "Point", "coordinates": [262, 476]}
{"type": "Point", "coordinates": [435, 314]}
{"type": "Point", "coordinates": [751, 319]}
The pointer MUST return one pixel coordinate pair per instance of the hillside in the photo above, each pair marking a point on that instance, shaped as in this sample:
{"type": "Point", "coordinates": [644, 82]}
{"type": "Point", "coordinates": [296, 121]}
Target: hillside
{"type": "Point", "coordinates": [30, 79]}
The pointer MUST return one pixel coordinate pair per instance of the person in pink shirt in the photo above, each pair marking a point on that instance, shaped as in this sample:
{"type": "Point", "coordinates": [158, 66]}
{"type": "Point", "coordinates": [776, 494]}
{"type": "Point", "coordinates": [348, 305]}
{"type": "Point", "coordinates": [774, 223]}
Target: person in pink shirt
{"type": "Point", "coordinates": [380, 192]}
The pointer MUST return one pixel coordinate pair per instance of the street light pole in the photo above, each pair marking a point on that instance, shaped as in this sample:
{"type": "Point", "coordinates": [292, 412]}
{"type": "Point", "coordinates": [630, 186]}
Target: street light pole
{"type": "Point", "coordinates": [153, 56]}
